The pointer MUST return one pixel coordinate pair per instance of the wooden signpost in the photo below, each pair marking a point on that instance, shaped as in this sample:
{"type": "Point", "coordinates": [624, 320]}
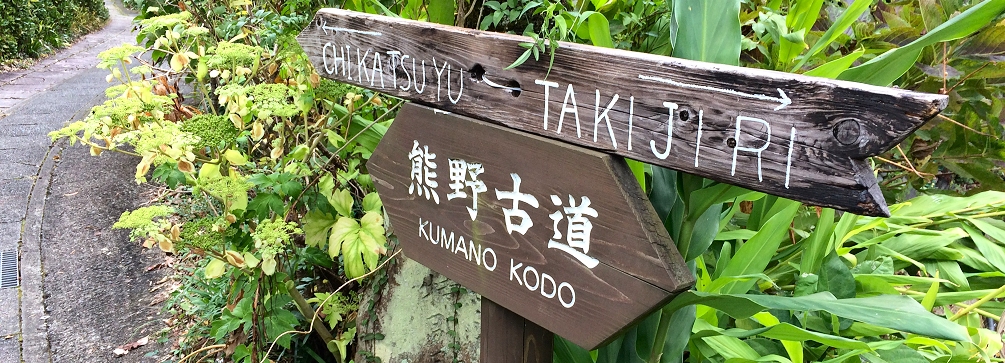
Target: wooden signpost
{"type": "Point", "coordinates": [799, 137]}
{"type": "Point", "coordinates": [544, 221]}
{"type": "Point", "coordinates": [559, 234]}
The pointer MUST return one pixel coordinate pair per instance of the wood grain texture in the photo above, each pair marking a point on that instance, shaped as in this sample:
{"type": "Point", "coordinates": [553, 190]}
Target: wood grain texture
{"type": "Point", "coordinates": [795, 136]}
{"type": "Point", "coordinates": [638, 267]}
{"type": "Point", "coordinates": [509, 338]}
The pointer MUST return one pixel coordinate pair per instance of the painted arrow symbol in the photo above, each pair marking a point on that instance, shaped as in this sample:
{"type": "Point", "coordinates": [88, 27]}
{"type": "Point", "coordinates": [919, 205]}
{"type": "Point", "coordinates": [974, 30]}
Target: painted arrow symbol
{"type": "Point", "coordinates": [783, 101]}
{"type": "Point", "coordinates": [329, 29]}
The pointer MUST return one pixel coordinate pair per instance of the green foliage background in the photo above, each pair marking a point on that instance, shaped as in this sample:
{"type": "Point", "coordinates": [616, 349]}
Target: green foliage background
{"type": "Point", "coordinates": [277, 220]}
{"type": "Point", "coordinates": [30, 28]}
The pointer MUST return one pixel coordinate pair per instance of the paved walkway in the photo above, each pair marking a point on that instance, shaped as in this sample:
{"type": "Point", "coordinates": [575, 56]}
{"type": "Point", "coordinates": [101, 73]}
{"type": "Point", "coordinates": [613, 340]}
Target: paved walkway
{"type": "Point", "coordinates": [83, 289]}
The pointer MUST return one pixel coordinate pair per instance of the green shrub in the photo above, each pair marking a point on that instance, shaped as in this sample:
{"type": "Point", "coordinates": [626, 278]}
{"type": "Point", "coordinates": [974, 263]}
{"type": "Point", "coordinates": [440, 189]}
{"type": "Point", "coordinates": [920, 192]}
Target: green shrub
{"type": "Point", "coordinates": [31, 28]}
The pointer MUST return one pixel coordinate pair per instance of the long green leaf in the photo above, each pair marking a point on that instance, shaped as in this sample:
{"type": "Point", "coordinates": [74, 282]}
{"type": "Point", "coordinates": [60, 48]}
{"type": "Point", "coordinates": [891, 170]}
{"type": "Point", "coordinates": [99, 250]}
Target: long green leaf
{"type": "Point", "coordinates": [994, 253]}
{"type": "Point", "coordinates": [600, 30]}
{"type": "Point", "coordinates": [786, 331]}
{"type": "Point", "coordinates": [847, 18]}
{"type": "Point", "coordinates": [889, 66]}
{"type": "Point", "coordinates": [820, 243]}
{"type": "Point", "coordinates": [441, 11]}
{"type": "Point", "coordinates": [708, 30]}
{"type": "Point", "coordinates": [895, 312]}
{"type": "Point", "coordinates": [755, 255]}
{"type": "Point", "coordinates": [834, 68]}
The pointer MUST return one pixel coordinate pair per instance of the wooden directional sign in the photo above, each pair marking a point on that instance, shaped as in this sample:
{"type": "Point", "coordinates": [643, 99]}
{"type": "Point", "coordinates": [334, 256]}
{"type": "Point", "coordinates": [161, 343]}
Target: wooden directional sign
{"type": "Point", "coordinates": [799, 137]}
{"type": "Point", "coordinates": [559, 234]}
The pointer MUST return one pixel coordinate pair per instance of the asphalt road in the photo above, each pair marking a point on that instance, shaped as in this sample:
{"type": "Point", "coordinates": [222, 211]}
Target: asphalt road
{"type": "Point", "coordinates": [83, 289]}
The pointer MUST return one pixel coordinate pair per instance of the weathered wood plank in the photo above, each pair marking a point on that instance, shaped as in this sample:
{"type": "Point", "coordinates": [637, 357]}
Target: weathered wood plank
{"type": "Point", "coordinates": [636, 267]}
{"type": "Point", "coordinates": [799, 137]}
{"type": "Point", "coordinates": [509, 338]}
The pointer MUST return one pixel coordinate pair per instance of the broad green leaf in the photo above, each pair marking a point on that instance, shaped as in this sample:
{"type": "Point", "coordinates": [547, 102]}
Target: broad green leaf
{"type": "Point", "coordinates": [895, 312]}
{"type": "Point", "coordinates": [360, 243]}
{"type": "Point", "coordinates": [889, 66]}
{"type": "Point", "coordinates": [708, 30]}
{"type": "Point", "coordinates": [802, 14]}
{"type": "Point", "coordinates": [727, 346]}
{"type": "Point", "coordinates": [215, 268]}
{"type": "Point", "coordinates": [235, 157]}
{"type": "Point", "coordinates": [209, 171]}
{"type": "Point", "coordinates": [755, 255]}
{"type": "Point", "coordinates": [834, 68]}
{"type": "Point", "coordinates": [372, 203]}
{"type": "Point", "coordinates": [341, 199]}
{"type": "Point", "coordinates": [679, 333]}
{"type": "Point", "coordinates": [316, 227]}
{"type": "Point", "coordinates": [989, 45]}
{"type": "Point", "coordinates": [600, 31]}
{"type": "Point", "coordinates": [345, 228]}
{"type": "Point", "coordinates": [836, 278]}
{"type": "Point", "coordinates": [705, 229]}
{"type": "Point", "coordinates": [793, 347]}
{"type": "Point", "coordinates": [843, 22]}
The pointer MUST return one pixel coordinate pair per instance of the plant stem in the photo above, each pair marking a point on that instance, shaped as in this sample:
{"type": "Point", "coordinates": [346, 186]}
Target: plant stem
{"type": "Point", "coordinates": [308, 313]}
{"type": "Point", "coordinates": [980, 302]}
{"type": "Point", "coordinates": [666, 313]}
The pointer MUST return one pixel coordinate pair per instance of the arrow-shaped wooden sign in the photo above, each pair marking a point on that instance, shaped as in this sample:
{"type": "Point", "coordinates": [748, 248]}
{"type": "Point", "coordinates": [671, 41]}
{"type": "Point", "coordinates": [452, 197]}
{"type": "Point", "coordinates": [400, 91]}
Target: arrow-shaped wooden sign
{"type": "Point", "coordinates": [559, 234]}
{"type": "Point", "coordinates": [800, 137]}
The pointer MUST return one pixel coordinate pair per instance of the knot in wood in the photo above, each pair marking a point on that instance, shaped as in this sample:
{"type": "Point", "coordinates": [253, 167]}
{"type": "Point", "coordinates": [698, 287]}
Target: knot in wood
{"type": "Point", "coordinates": [847, 131]}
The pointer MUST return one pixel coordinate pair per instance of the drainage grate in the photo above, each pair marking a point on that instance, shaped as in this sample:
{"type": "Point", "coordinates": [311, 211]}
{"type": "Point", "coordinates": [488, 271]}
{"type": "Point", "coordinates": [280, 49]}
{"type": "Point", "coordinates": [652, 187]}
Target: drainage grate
{"type": "Point", "coordinates": [8, 269]}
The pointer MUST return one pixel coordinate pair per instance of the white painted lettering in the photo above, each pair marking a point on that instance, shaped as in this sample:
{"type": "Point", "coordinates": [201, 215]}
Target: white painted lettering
{"type": "Point", "coordinates": [394, 56]}
{"type": "Point", "coordinates": [444, 242]}
{"type": "Point", "coordinates": [631, 117]}
{"type": "Point", "coordinates": [546, 85]}
{"type": "Point", "coordinates": [408, 82]}
{"type": "Point", "coordinates": [697, 140]}
{"type": "Point", "coordinates": [597, 116]}
{"type": "Point", "coordinates": [758, 150]}
{"type": "Point", "coordinates": [569, 94]}
{"type": "Point", "coordinates": [485, 260]}
{"type": "Point", "coordinates": [422, 228]}
{"type": "Point", "coordinates": [554, 288]}
{"type": "Point", "coordinates": [462, 247]}
{"type": "Point", "coordinates": [652, 143]}
{"type": "Point", "coordinates": [788, 159]}
{"type": "Point", "coordinates": [572, 293]}
{"type": "Point", "coordinates": [475, 253]}
{"type": "Point", "coordinates": [459, 92]}
{"type": "Point", "coordinates": [360, 72]}
{"type": "Point", "coordinates": [513, 271]}
{"type": "Point", "coordinates": [416, 79]}
{"type": "Point", "coordinates": [324, 58]}
{"type": "Point", "coordinates": [378, 69]}
{"type": "Point", "coordinates": [537, 278]}
{"type": "Point", "coordinates": [346, 68]}
{"type": "Point", "coordinates": [439, 78]}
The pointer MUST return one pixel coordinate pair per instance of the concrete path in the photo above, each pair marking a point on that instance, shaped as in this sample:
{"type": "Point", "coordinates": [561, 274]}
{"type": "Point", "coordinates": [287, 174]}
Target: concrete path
{"type": "Point", "coordinates": [83, 289]}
